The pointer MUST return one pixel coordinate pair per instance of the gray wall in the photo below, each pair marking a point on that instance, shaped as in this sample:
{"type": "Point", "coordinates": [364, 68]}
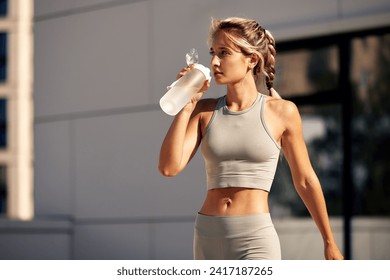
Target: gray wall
{"type": "Point", "coordinates": [100, 68]}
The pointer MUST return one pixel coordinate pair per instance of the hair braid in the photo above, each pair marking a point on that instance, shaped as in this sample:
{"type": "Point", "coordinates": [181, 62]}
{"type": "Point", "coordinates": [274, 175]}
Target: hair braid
{"type": "Point", "coordinates": [269, 63]}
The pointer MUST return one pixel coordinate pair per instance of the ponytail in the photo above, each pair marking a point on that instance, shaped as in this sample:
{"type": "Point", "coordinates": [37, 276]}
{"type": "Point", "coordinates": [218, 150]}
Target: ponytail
{"type": "Point", "coordinates": [269, 64]}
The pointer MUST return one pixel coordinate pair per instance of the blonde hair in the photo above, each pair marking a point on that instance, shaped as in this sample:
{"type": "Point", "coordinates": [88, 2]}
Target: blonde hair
{"type": "Point", "coordinates": [250, 38]}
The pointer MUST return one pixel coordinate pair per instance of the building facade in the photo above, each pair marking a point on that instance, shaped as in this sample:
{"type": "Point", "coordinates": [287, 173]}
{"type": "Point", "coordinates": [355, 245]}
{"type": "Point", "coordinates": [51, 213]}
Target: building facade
{"type": "Point", "coordinates": [100, 68]}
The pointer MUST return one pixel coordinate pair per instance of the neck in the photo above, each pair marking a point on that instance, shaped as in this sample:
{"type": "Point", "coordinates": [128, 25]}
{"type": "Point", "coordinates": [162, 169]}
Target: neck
{"type": "Point", "coordinates": [241, 95]}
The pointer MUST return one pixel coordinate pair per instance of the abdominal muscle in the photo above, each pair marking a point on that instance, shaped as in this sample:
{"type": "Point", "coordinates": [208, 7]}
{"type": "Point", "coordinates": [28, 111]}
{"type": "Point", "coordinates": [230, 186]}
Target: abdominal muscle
{"type": "Point", "coordinates": [235, 201]}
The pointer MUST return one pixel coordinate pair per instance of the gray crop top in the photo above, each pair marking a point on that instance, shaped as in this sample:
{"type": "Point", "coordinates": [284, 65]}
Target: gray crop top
{"type": "Point", "coordinates": [238, 149]}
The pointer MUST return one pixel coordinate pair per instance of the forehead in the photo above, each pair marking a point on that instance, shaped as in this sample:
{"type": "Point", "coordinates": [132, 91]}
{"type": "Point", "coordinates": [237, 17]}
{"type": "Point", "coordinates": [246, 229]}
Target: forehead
{"type": "Point", "coordinates": [220, 40]}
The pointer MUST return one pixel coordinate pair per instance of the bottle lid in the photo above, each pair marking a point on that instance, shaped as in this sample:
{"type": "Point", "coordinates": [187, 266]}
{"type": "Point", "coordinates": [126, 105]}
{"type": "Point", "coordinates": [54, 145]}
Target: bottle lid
{"type": "Point", "coordinates": [206, 71]}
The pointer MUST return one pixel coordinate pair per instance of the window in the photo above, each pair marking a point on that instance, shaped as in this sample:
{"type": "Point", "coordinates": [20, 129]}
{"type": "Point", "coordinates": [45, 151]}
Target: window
{"type": "Point", "coordinates": [306, 71]}
{"type": "Point", "coordinates": [311, 73]}
{"type": "Point", "coordinates": [341, 85]}
{"type": "Point", "coordinates": [3, 189]}
{"type": "Point", "coordinates": [3, 57]}
{"type": "Point", "coordinates": [3, 7]}
{"type": "Point", "coordinates": [370, 72]}
{"type": "Point", "coordinates": [3, 123]}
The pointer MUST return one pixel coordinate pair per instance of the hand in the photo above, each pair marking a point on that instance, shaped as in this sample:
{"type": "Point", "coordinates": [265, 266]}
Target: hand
{"type": "Point", "coordinates": [191, 105]}
{"type": "Point", "coordinates": [332, 252]}
{"type": "Point", "coordinates": [184, 71]}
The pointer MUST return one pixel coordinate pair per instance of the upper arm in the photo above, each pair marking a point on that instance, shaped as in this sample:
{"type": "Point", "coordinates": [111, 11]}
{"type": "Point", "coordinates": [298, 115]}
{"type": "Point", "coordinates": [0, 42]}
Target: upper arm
{"type": "Point", "coordinates": [294, 146]}
{"type": "Point", "coordinates": [193, 137]}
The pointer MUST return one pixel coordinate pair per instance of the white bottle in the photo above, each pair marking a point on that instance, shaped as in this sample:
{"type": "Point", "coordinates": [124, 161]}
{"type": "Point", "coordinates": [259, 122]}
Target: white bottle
{"type": "Point", "coordinates": [182, 90]}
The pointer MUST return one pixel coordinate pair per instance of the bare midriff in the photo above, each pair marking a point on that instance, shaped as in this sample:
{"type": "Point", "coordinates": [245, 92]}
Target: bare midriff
{"type": "Point", "coordinates": [235, 201]}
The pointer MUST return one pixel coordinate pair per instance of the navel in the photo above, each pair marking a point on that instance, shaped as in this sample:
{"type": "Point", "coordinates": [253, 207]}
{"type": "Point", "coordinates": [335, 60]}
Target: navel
{"type": "Point", "coordinates": [228, 201]}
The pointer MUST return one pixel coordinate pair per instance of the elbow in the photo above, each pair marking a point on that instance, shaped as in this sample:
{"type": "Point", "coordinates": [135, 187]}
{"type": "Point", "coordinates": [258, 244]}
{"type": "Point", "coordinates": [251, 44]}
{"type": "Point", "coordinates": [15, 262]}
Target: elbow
{"type": "Point", "coordinates": [167, 172]}
{"type": "Point", "coordinates": [307, 183]}
{"type": "Point", "coordinates": [168, 167]}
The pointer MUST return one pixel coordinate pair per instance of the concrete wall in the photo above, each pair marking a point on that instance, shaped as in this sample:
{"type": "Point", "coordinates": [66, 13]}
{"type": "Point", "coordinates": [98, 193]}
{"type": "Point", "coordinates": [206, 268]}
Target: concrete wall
{"type": "Point", "coordinates": [169, 239]}
{"type": "Point", "coordinates": [100, 68]}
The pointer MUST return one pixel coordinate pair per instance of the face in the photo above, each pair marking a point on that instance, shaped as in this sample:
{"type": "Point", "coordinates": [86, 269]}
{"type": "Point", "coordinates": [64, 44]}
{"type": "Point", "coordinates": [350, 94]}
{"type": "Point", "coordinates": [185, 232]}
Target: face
{"type": "Point", "coordinates": [228, 63]}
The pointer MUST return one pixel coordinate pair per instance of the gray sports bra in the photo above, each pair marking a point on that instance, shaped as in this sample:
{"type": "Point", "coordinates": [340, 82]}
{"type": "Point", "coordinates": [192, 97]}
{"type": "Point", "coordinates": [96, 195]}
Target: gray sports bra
{"type": "Point", "coordinates": [238, 148]}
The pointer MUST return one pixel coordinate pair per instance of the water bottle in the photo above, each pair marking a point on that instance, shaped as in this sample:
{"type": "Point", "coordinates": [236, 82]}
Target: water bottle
{"type": "Point", "coordinates": [181, 91]}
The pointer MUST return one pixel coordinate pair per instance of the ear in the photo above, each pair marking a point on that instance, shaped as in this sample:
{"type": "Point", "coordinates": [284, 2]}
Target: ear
{"type": "Point", "coordinates": [254, 59]}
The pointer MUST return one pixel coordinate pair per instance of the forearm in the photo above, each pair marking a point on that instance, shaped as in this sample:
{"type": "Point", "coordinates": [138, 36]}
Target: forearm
{"type": "Point", "coordinates": [311, 193]}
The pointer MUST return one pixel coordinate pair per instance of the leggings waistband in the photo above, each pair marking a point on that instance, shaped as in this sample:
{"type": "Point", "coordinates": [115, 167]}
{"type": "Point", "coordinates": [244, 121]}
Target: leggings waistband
{"type": "Point", "coordinates": [232, 226]}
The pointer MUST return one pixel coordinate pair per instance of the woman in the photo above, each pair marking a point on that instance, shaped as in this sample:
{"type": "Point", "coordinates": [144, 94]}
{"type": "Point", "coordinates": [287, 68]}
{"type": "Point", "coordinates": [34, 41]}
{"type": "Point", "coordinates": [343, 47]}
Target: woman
{"type": "Point", "coordinates": [241, 135]}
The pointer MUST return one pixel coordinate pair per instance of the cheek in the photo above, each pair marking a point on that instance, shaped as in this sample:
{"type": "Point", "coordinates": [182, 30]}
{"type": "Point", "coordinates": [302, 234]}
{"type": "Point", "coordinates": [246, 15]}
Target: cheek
{"type": "Point", "coordinates": [238, 68]}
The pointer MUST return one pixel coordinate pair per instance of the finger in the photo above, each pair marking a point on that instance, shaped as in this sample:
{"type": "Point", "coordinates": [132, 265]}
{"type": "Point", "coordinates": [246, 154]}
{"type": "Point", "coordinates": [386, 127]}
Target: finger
{"type": "Point", "coordinates": [183, 72]}
{"type": "Point", "coordinates": [205, 86]}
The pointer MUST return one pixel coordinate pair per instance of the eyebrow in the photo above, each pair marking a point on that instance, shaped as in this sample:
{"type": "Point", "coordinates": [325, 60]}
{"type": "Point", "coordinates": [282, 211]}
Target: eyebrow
{"type": "Point", "coordinates": [222, 48]}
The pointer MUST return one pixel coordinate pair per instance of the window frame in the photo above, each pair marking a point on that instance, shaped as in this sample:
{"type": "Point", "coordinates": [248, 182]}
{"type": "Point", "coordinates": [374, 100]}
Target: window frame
{"type": "Point", "coordinates": [343, 42]}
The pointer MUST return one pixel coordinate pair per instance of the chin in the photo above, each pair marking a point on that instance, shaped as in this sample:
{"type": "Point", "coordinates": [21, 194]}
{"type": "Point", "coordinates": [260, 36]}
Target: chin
{"type": "Point", "coordinates": [219, 81]}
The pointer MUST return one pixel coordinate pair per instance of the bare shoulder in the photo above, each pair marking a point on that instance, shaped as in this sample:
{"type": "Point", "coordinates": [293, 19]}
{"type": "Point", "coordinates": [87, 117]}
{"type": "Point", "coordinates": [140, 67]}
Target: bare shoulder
{"type": "Point", "coordinates": [284, 109]}
{"type": "Point", "coordinates": [282, 106]}
{"type": "Point", "coordinates": [286, 113]}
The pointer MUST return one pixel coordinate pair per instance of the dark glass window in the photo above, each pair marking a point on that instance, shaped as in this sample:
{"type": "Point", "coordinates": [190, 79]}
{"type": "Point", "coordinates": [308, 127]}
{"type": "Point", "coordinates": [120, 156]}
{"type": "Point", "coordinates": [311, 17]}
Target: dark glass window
{"type": "Point", "coordinates": [3, 189]}
{"type": "Point", "coordinates": [3, 123]}
{"type": "Point", "coordinates": [309, 73]}
{"type": "Point", "coordinates": [3, 57]}
{"type": "Point", "coordinates": [306, 71]}
{"type": "Point", "coordinates": [3, 7]}
{"type": "Point", "coordinates": [370, 78]}
{"type": "Point", "coordinates": [341, 85]}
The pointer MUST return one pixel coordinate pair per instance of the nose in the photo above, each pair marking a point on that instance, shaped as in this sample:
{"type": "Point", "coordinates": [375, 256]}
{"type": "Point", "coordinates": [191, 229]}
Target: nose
{"type": "Point", "coordinates": [214, 61]}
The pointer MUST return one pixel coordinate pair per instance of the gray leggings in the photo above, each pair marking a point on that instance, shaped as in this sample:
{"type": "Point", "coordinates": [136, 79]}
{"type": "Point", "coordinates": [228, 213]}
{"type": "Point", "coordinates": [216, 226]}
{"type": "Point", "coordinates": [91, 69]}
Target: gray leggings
{"type": "Point", "coordinates": [236, 237]}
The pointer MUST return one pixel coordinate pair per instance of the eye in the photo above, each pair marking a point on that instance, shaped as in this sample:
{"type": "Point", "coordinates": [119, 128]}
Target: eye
{"type": "Point", "coordinates": [220, 54]}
